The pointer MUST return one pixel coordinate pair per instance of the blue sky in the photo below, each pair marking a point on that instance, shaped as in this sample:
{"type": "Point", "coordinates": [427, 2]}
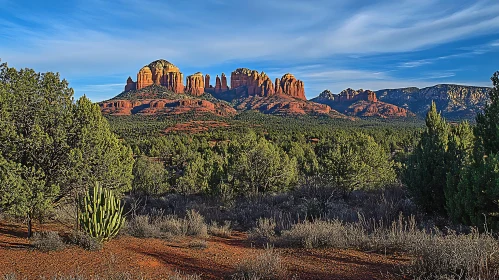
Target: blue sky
{"type": "Point", "coordinates": [328, 44]}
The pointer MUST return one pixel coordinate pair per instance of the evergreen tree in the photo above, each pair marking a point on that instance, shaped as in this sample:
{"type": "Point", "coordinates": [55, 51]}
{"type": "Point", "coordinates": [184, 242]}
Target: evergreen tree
{"type": "Point", "coordinates": [149, 177]}
{"type": "Point", "coordinates": [50, 146]}
{"type": "Point", "coordinates": [479, 185]}
{"type": "Point", "coordinates": [459, 155]}
{"type": "Point", "coordinates": [427, 168]}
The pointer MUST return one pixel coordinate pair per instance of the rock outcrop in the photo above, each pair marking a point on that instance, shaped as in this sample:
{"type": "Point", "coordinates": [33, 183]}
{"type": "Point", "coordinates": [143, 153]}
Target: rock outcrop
{"type": "Point", "coordinates": [292, 87]}
{"type": "Point", "coordinates": [224, 86]}
{"type": "Point", "coordinates": [161, 72]}
{"type": "Point", "coordinates": [165, 106]}
{"type": "Point", "coordinates": [195, 84]}
{"type": "Point", "coordinates": [361, 103]}
{"type": "Point", "coordinates": [218, 85]}
{"type": "Point", "coordinates": [207, 81]}
{"type": "Point", "coordinates": [130, 84]}
{"type": "Point", "coordinates": [256, 84]}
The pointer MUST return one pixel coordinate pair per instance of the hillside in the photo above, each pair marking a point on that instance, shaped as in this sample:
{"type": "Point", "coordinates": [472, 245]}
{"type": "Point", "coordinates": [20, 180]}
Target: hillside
{"type": "Point", "coordinates": [455, 101]}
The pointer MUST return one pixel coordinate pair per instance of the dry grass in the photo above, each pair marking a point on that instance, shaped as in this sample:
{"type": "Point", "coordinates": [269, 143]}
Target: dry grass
{"type": "Point", "coordinates": [267, 265]}
{"type": "Point", "coordinates": [220, 231]}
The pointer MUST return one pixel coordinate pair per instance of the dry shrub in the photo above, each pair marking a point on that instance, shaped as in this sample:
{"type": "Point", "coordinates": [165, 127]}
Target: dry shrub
{"type": "Point", "coordinates": [85, 241]}
{"type": "Point", "coordinates": [264, 232]}
{"type": "Point", "coordinates": [47, 241]}
{"type": "Point", "coordinates": [266, 265]}
{"type": "Point", "coordinates": [453, 256]}
{"type": "Point", "coordinates": [195, 224]}
{"type": "Point", "coordinates": [198, 244]}
{"type": "Point", "coordinates": [160, 226]}
{"type": "Point", "coordinates": [220, 231]}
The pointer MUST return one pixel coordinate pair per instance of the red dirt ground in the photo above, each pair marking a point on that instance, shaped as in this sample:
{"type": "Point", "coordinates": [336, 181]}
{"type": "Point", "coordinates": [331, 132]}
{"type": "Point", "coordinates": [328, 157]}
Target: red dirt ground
{"type": "Point", "coordinates": [156, 259]}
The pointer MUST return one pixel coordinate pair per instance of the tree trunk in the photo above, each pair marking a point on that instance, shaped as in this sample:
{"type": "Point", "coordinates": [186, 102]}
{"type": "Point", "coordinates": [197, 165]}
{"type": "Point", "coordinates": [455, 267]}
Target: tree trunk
{"type": "Point", "coordinates": [30, 227]}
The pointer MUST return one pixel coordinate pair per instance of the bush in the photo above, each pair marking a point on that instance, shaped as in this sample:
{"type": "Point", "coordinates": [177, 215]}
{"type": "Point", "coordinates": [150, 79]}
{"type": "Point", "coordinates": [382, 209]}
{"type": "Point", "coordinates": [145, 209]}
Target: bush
{"type": "Point", "coordinates": [195, 224]}
{"type": "Point", "coordinates": [471, 256]}
{"type": "Point", "coordinates": [141, 226]}
{"type": "Point", "coordinates": [220, 231]}
{"type": "Point", "coordinates": [267, 265]}
{"type": "Point", "coordinates": [47, 241]}
{"type": "Point", "coordinates": [264, 232]}
{"type": "Point", "coordinates": [160, 226]}
{"type": "Point", "coordinates": [85, 241]}
{"type": "Point", "coordinates": [198, 244]}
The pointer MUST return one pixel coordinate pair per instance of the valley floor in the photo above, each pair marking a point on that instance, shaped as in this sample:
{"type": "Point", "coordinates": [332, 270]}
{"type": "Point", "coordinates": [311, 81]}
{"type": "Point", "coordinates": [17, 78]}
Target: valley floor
{"type": "Point", "coordinates": [156, 259]}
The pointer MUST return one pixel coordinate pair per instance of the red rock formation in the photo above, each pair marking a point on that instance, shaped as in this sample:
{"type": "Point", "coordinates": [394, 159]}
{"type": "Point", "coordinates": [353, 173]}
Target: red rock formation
{"type": "Point", "coordinates": [161, 72]}
{"type": "Point", "coordinates": [195, 84]}
{"type": "Point", "coordinates": [278, 88]}
{"type": "Point", "coordinates": [353, 95]}
{"type": "Point", "coordinates": [224, 86]}
{"type": "Point", "coordinates": [292, 87]}
{"type": "Point", "coordinates": [218, 85]}
{"type": "Point", "coordinates": [257, 84]}
{"type": "Point", "coordinates": [207, 81]}
{"type": "Point", "coordinates": [165, 106]}
{"type": "Point", "coordinates": [130, 84]}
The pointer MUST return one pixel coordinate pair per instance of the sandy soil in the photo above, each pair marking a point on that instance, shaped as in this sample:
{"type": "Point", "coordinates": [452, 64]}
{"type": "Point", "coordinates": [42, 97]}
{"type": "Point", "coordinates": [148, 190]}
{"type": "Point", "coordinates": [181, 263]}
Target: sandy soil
{"type": "Point", "coordinates": [156, 259]}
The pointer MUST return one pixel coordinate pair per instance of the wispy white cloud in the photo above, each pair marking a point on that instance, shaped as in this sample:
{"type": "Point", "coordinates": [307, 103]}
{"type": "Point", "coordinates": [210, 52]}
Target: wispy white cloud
{"type": "Point", "coordinates": [100, 38]}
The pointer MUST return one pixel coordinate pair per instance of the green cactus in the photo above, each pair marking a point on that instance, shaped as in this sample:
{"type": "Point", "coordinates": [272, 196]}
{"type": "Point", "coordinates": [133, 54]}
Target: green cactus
{"type": "Point", "coordinates": [101, 213]}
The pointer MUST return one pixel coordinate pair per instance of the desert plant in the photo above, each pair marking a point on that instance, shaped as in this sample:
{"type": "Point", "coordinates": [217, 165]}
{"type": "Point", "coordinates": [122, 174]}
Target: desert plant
{"type": "Point", "coordinates": [101, 213]}
{"type": "Point", "coordinates": [47, 241]}
{"type": "Point", "coordinates": [198, 244]}
{"type": "Point", "coordinates": [266, 265]}
{"type": "Point", "coordinates": [142, 227]}
{"type": "Point", "coordinates": [182, 276]}
{"type": "Point", "coordinates": [85, 241]}
{"type": "Point", "coordinates": [220, 231]}
{"type": "Point", "coordinates": [264, 232]}
{"type": "Point", "coordinates": [195, 224]}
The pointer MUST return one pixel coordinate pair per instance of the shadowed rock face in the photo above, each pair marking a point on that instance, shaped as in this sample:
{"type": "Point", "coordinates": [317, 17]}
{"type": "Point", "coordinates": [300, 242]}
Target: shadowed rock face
{"type": "Point", "coordinates": [361, 103]}
{"type": "Point", "coordinates": [195, 84]}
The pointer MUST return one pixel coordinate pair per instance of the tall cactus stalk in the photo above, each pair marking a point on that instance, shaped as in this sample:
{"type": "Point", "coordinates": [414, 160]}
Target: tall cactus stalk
{"type": "Point", "coordinates": [101, 213]}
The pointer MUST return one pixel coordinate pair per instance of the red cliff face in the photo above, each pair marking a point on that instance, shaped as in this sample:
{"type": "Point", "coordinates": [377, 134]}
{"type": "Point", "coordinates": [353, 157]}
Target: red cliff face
{"type": "Point", "coordinates": [161, 72]}
{"type": "Point", "coordinates": [130, 84]}
{"type": "Point", "coordinates": [195, 84]}
{"type": "Point", "coordinates": [207, 81]}
{"type": "Point", "coordinates": [165, 106]}
{"type": "Point", "coordinates": [218, 85]}
{"type": "Point", "coordinates": [257, 84]}
{"type": "Point", "coordinates": [292, 87]}
{"type": "Point", "coordinates": [224, 86]}
{"type": "Point", "coordinates": [353, 95]}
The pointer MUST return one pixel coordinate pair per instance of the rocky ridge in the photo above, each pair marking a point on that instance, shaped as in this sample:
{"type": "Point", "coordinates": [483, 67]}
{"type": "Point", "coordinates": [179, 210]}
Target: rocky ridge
{"type": "Point", "coordinates": [361, 103]}
{"type": "Point", "coordinates": [454, 101]}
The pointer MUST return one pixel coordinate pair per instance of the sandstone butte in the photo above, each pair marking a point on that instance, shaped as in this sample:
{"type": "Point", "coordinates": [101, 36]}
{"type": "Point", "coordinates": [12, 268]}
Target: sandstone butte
{"type": "Point", "coordinates": [243, 80]}
{"type": "Point", "coordinates": [361, 103]}
{"type": "Point", "coordinates": [254, 91]}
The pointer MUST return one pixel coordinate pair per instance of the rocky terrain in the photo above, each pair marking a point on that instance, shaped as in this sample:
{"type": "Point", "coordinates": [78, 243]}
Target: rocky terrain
{"type": "Point", "coordinates": [454, 101]}
{"type": "Point", "coordinates": [160, 89]}
{"type": "Point", "coordinates": [361, 103]}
